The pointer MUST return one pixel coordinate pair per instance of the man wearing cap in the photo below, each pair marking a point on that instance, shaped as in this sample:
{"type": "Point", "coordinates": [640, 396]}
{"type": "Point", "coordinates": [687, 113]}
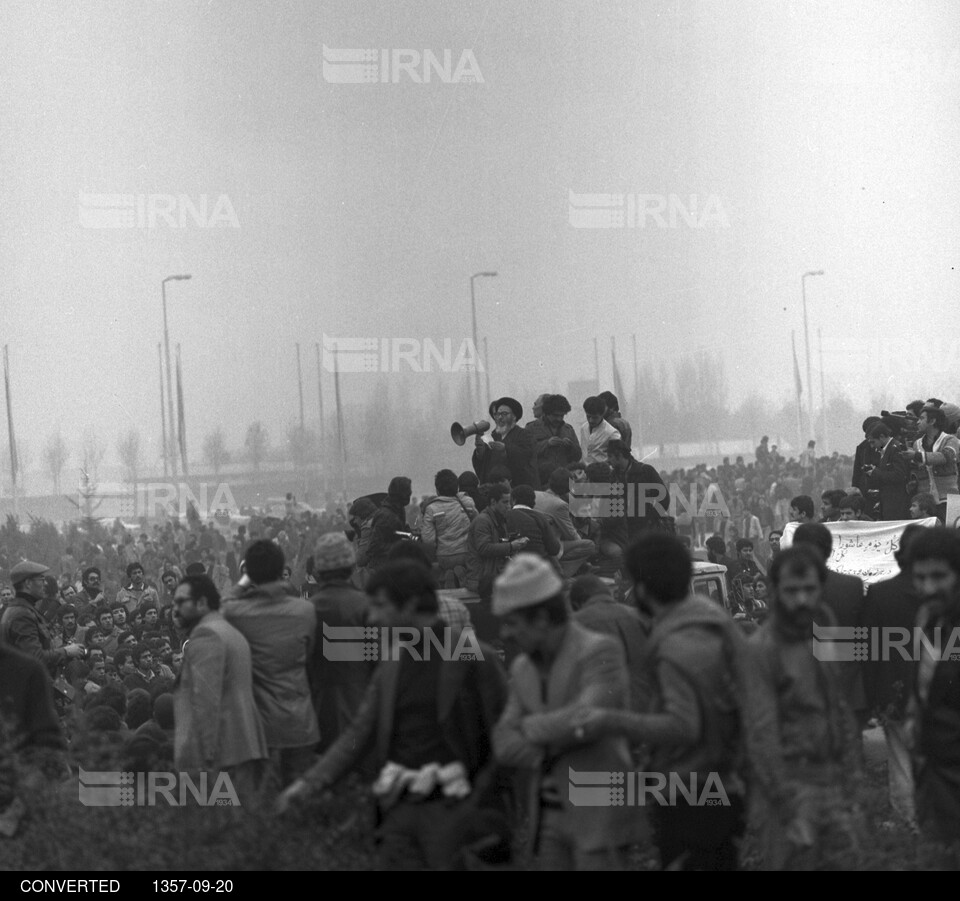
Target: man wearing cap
{"type": "Point", "coordinates": [337, 686]}
{"type": "Point", "coordinates": [23, 629]}
{"type": "Point", "coordinates": [563, 668]}
{"type": "Point", "coordinates": [556, 440]}
{"type": "Point", "coordinates": [510, 446]}
{"type": "Point", "coordinates": [596, 433]}
{"type": "Point", "coordinates": [934, 456]}
{"type": "Point", "coordinates": [280, 630]}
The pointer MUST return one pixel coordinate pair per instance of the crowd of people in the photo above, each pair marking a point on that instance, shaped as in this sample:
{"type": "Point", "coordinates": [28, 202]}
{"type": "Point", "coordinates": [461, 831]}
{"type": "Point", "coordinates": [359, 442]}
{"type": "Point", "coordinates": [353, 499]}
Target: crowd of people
{"type": "Point", "coordinates": [190, 647]}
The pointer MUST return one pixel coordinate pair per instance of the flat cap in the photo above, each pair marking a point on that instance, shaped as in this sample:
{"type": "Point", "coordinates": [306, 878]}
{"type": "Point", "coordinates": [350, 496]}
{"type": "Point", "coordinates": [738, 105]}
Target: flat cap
{"type": "Point", "coordinates": [526, 581]}
{"type": "Point", "coordinates": [26, 569]}
{"type": "Point", "coordinates": [334, 551]}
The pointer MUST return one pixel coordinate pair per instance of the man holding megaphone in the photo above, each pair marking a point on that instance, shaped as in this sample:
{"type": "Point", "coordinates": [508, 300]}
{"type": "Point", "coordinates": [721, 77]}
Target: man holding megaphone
{"type": "Point", "coordinates": [510, 446]}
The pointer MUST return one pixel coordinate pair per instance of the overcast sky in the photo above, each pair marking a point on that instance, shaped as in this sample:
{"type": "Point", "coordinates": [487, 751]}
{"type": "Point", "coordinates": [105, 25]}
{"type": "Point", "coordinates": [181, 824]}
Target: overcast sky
{"type": "Point", "coordinates": [819, 135]}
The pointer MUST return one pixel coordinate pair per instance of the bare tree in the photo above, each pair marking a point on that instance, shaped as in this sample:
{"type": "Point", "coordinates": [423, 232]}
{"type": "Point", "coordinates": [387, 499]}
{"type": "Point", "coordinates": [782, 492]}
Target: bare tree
{"type": "Point", "coordinates": [215, 450]}
{"type": "Point", "coordinates": [93, 452]}
{"type": "Point", "coordinates": [55, 456]}
{"type": "Point", "coordinates": [257, 444]}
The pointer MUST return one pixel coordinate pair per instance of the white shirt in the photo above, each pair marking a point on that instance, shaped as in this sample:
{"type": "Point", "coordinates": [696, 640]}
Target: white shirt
{"type": "Point", "coordinates": [595, 443]}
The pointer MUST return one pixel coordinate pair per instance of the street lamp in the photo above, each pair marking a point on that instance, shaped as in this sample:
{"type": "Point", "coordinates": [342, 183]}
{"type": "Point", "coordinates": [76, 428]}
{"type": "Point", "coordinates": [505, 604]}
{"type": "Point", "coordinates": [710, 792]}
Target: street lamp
{"type": "Point", "coordinates": [473, 312]}
{"type": "Point", "coordinates": [166, 344]}
{"type": "Point", "coordinates": [806, 341]}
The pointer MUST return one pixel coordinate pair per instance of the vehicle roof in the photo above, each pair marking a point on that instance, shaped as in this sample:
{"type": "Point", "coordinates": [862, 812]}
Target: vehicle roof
{"type": "Point", "coordinates": [702, 567]}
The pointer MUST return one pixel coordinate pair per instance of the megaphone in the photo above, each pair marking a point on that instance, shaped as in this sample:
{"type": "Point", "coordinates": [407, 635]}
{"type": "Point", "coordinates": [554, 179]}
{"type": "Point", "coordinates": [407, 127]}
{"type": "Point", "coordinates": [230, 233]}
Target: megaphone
{"type": "Point", "coordinates": [460, 434]}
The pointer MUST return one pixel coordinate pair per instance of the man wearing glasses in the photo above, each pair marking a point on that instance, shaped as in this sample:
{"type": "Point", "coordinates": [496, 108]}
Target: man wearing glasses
{"type": "Point", "coordinates": [510, 446]}
{"type": "Point", "coordinates": [23, 629]}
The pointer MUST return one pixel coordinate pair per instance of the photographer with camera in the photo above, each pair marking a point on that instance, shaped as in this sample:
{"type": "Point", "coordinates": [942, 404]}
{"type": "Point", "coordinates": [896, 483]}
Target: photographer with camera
{"type": "Point", "coordinates": [22, 627]}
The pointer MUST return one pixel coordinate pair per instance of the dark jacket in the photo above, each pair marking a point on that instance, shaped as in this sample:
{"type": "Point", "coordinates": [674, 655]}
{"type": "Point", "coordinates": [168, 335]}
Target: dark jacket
{"type": "Point", "coordinates": [652, 506]}
{"type": "Point", "coordinates": [24, 630]}
{"type": "Point", "coordinates": [534, 525]}
{"type": "Point", "coordinates": [487, 551]}
{"type": "Point", "coordinates": [26, 704]}
{"type": "Point", "coordinates": [891, 476]}
{"type": "Point", "coordinates": [519, 456]}
{"type": "Point", "coordinates": [390, 518]}
{"type": "Point", "coordinates": [888, 684]}
{"type": "Point", "coordinates": [551, 458]}
{"type": "Point", "coordinates": [844, 596]}
{"type": "Point", "coordinates": [337, 686]}
{"type": "Point", "coordinates": [470, 696]}
{"type": "Point", "coordinates": [603, 614]}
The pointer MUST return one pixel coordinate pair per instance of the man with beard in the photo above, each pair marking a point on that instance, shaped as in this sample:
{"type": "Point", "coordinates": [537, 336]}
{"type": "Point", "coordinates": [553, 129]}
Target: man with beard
{"type": "Point", "coordinates": [809, 760]}
{"type": "Point", "coordinates": [843, 595]}
{"type": "Point", "coordinates": [136, 592]}
{"type": "Point", "coordinates": [694, 725]}
{"type": "Point", "coordinates": [935, 705]}
{"type": "Point", "coordinates": [23, 629]}
{"type": "Point", "coordinates": [169, 580]}
{"type": "Point", "coordinates": [510, 446]}
{"type": "Point", "coordinates": [892, 605]}
{"type": "Point", "coordinates": [556, 440]}
{"type": "Point", "coordinates": [218, 727]}
{"type": "Point", "coordinates": [91, 594]}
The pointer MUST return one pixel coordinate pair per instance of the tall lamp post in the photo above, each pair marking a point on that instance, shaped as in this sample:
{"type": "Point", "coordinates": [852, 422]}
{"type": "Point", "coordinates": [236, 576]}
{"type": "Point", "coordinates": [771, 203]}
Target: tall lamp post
{"type": "Point", "coordinates": [166, 346]}
{"type": "Point", "coordinates": [806, 341]}
{"type": "Point", "coordinates": [476, 347]}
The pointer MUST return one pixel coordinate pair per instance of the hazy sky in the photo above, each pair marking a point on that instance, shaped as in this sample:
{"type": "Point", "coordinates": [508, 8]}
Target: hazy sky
{"type": "Point", "coordinates": [826, 132]}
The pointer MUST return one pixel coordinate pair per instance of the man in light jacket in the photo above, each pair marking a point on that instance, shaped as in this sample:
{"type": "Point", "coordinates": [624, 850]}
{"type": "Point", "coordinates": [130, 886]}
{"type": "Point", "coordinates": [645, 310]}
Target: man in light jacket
{"type": "Point", "coordinates": [218, 728]}
{"type": "Point", "coordinates": [281, 631]}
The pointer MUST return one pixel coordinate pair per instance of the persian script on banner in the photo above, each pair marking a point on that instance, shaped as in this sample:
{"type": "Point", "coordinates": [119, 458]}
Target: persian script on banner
{"type": "Point", "coordinates": [864, 549]}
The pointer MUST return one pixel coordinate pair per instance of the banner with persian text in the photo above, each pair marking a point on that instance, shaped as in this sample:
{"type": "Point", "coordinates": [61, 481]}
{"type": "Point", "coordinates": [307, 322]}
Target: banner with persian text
{"type": "Point", "coordinates": [863, 549]}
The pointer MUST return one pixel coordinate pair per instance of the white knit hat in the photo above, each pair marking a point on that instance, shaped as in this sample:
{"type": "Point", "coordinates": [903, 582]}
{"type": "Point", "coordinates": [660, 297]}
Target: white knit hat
{"type": "Point", "coordinates": [527, 580]}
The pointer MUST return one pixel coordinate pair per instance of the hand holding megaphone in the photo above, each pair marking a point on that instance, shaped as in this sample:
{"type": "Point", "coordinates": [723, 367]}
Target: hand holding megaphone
{"type": "Point", "coordinates": [460, 433]}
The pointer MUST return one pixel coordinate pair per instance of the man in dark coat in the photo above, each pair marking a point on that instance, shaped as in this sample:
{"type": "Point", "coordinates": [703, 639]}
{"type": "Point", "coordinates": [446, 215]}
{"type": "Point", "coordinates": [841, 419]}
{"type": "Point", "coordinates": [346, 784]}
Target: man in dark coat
{"type": "Point", "coordinates": [30, 718]}
{"type": "Point", "coordinates": [935, 567]}
{"type": "Point", "coordinates": [889, 475]}
{"type": "Point", "coordinates": [865, 455]}
{"type": "Point", "coordinates": [844, 595]}
{"type": "Point", "coordinates": [892, 605]}
{"type": "Point", "coordinates": [338, 686]}
{"type": "Point", "coordinates": [557, 443]}
{"type": "Point", "coordinates": [390, 518]}
{"type": "Point", "coordinates": [509, 446]}
{"type": "Point", "coordinates": [23, 629]}
{"type": "Point", "coordinates": [652, 497]}
{"type": "Point", "coordinates": [428, 718]}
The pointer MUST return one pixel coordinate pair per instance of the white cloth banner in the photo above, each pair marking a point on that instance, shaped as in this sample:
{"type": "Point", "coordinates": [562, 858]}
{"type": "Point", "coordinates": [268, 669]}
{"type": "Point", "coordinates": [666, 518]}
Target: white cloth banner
{"type": "Point", "coordinates": [864, 549]}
